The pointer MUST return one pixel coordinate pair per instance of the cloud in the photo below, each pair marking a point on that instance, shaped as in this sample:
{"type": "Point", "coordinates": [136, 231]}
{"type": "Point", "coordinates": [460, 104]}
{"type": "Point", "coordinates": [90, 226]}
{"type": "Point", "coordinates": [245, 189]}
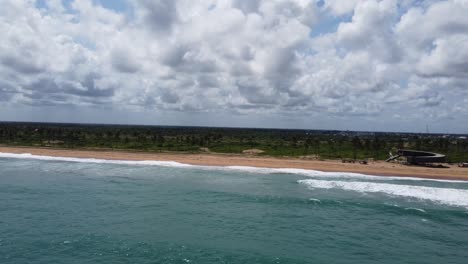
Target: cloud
{"type": "Point", "coordinates": [247, 6]}
{"type": "Point", "coordinates": [339, 7]}
{"type": "Point", "coordinates": [238, 57]}
{"type": "Point", "coordinates": [123, 62]}
{"type": "Point", "coordinates": [449, 58]}
{"type": "Point", "coordinates": [158, 15]}
{"type": "Point", "coordinates": [19, 64]}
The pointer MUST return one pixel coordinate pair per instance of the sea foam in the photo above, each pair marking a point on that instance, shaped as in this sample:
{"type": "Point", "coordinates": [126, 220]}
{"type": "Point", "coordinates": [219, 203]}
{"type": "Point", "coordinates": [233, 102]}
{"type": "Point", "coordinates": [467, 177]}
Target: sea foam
{"type": "Point", "coordinates": [447, 196]}
{"type": "Point", "coordinates": [92, 160]}
{"type": "Point", "coordinates": [247, 169]}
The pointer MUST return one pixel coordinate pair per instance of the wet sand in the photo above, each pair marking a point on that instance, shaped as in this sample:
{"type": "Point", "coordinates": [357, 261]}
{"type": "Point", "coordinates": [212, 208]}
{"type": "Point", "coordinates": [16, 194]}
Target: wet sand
{"type": "Point", "coordinates": [379, 168]}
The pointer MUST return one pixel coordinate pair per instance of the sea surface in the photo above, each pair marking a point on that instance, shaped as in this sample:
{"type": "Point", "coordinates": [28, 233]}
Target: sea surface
{"type": "Point", "coordinates": [64, 210]}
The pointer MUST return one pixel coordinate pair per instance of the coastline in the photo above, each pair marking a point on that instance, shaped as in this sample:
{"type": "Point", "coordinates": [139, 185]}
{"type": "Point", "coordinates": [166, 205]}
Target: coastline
{"type": "Point", "coordinates": [377, 168]}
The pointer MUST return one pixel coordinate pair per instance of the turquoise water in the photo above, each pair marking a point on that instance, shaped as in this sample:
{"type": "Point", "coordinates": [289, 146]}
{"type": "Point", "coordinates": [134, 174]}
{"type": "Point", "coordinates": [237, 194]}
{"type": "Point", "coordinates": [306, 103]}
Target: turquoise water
{"type": "Point", "coordinates": [56, 211]}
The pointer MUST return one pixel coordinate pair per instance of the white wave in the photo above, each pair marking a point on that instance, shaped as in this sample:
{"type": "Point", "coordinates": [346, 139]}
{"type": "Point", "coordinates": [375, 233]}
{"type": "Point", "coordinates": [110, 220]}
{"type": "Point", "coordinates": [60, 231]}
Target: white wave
{"type": "Point", "coordinates": [91, 160]}
{"type": "Point", "coordinates": [316, 173]}
{"type": "Point", "coordinates": [447, 196]}
{"type": "Point", "coordinates": [415, 209]}
{"type": "Point", "coordinates": [258, 170]}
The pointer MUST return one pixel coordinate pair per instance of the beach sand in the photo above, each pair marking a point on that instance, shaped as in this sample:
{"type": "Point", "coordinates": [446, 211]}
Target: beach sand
{"type": "Point", "coordinates": [379, 168]}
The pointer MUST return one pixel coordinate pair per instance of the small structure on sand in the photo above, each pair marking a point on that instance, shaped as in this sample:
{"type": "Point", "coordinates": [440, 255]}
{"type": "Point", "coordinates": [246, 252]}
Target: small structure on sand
{"type": "Point", "coordinates": [417, 157]}
{"type": "Point", "coordinates": [253, 151]}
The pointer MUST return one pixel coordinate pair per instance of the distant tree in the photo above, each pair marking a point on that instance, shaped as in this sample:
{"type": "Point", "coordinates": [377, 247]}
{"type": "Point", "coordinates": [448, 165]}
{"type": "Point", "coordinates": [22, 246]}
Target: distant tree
{"type": "Point", "coordinates": [356, 142]}
{"type": "Point", "coordinates": [376, 145]}
{"type": "Point", "coordinates": [317, 146]}
{"type": "Point", "coordinates": [307, 144]}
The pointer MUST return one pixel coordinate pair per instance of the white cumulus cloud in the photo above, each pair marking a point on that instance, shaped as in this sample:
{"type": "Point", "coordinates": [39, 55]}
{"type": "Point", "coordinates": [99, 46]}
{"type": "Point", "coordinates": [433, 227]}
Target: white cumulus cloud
{"type": "Point", "coordinates": [372, 59]}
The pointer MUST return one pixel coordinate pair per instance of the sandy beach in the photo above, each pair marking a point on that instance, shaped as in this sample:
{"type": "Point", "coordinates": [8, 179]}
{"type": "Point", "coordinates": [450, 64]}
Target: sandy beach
{"type": "Point", "coordinates": [379, 168]}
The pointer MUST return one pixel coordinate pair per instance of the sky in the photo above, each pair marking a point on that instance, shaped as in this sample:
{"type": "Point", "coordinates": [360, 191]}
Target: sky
{"type": "Point", "coordinates": [369, 65]}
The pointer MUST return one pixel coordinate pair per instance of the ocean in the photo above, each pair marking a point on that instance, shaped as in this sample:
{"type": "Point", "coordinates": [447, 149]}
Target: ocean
{"type": "Point", "coordinates": [66, 210]}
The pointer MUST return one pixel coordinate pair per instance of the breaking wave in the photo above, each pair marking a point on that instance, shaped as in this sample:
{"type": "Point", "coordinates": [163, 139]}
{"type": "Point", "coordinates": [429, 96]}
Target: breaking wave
{"type": "Point", "coordinates": [258, 170]}
{"type": "Point", "coordinates": [446, 196]}
{"type": "Point", "coordinates": [92, 160]}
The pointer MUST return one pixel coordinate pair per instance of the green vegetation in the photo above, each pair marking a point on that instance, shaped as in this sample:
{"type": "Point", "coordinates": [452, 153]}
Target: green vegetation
{"type": "Point", "coordinates": [274, 142]}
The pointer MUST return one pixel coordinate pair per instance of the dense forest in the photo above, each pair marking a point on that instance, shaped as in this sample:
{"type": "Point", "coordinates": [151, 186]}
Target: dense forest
{"type": "Point", "coordinates": [319, 144]}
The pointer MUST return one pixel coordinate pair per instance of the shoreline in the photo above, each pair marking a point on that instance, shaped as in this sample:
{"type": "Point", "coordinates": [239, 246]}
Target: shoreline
{"type": "Point", "coordinates": [376, 168]}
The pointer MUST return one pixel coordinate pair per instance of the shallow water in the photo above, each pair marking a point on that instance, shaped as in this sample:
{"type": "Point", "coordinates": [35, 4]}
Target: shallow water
{"type": "Point", "coordinates": [94, 211]}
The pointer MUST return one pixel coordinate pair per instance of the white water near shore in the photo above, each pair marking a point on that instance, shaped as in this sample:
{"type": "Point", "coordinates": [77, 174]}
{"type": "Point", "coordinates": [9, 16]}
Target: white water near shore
{"type": "Point", "coordinates": [447, 196]}
{"type": "Point", "coordinates": [338, 180]}
{"type": "Point", "coordinates": [304, 172]}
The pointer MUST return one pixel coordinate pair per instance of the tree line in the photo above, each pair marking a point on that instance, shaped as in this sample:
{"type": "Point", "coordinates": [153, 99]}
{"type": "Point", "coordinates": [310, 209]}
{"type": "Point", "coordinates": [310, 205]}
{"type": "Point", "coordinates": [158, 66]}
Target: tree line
{"type": "Point", "coordinates": [318, 144]}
